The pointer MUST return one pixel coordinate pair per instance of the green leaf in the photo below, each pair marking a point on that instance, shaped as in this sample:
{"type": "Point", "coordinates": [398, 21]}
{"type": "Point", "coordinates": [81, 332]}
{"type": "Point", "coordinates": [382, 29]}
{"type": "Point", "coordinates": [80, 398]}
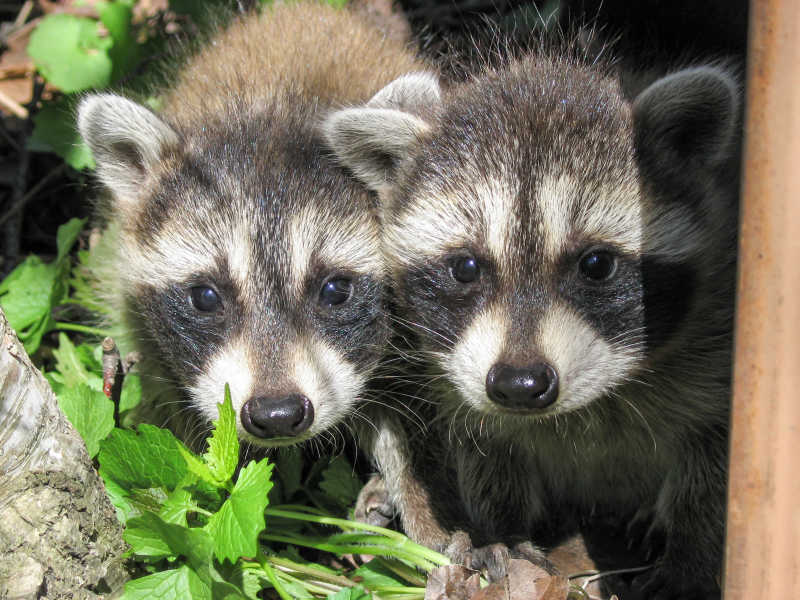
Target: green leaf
{"type": "Point", "coordinates": [66, 236]}
{"type": "Point", "coordinates": [54, 131]}
{"type": "Point", "coordinates": [89, 411]}
{"type": "Point", "coordinates": [175, 507]}
{"type": "Point", "coordinates": [149, 459]}
{"type": "Point", "coordinates": [151, 534]}
{"type": "Point", "coordinates": [119, 498]}
{"type": "Point", "coordinates": [131, 393]}
{"type": "Point", "coordinates": [176, 584]}
{"type": "Point", "coordinates": [340, 483]}
{"type": "Point", "coordinates": [374, 574]}
{"type": "Point", "coordinates": [117, 17]}
{"type": "Point", "coordinates": [70, 54]}
{"type": "Point", "coordinates": [350, 593]}
{"type": "Point", "coordinates": [74, 366]}
{"type": "Point", "coordinates": [235, 527]}
{"type": "Point", "coordinates": [223, 445]}
{"type": "Point", "coordinates": [33, 288]}
{"type": "Point", "coordinates": [196, 466]}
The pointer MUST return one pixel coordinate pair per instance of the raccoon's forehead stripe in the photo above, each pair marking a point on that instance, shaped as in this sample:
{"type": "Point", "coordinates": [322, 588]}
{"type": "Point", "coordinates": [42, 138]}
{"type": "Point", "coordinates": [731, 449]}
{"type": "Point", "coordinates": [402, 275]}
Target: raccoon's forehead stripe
{"type": "Point", "coordinates": [348, 244]}
{"type": "Point", "coordinates": [478, 349]}
{"type": "Point", "coordinates": [568, 209]}
{"type": "Point", "coordinates": [496, 197]}
{"type": "Point", "coordinates": [179, 252]}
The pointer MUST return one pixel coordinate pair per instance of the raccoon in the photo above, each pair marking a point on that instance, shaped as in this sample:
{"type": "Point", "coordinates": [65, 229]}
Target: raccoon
{"type": "Point", "coordinates": [566, 258]}
{"type": "Point", "coordinates": [238, 251]}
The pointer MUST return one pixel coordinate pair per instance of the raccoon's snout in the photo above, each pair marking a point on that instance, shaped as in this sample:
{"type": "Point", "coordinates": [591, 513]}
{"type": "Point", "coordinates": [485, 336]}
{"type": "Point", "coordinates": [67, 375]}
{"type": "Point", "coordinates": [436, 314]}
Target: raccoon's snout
{"type": "Point", "coordinates": [277, 417]}
{"type": "Point", "coordinates": [527, 388]}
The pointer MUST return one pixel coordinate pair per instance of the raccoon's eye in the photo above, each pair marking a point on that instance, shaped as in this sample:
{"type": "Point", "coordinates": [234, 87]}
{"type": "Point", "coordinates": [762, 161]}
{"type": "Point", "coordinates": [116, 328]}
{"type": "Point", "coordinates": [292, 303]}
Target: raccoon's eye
{"type": "Point", "coordinates": [465, 269]}
{"type": "Point", "coordinates": [335, 291]}
{"type": "Point", "coordinates": [205, 299]}
{"type": "Point", "coordinates": [598, 265]}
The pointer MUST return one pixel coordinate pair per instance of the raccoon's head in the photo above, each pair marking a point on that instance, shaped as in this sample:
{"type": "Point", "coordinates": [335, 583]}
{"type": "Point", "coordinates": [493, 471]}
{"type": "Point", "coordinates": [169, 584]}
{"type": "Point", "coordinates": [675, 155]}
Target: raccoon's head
{"type": "Point", "coordinates": [548, 238]}
{"type": "Point", "coordinates": [244, 257]}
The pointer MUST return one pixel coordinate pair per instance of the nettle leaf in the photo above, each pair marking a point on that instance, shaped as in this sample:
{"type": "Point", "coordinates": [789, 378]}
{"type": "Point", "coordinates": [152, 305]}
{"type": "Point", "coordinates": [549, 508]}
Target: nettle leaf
{"type": "Point", "coordinates": [340, 483]}
{"type": "Point", "coordinates": [89, 411]}
{"type": "Point", "coordinates": [153, 534]}
{"type": "Point", "coordinates": [175, 507]}
{"type": "Point", "coordinates": [131, 393]}
{"type": "Point", "coordinates": [351, 593]}
{"type": "Point", "coordinates": [373, 574]}
{"type": "Point", "coordinates": [54, 131]}
{"type": "Point", "coordinates": [76, 366]}
{"type": "Point", "coordinates": [66, 236]}
{"type": "Point", "coordinates": [26, 298]}
{"type": "Point", "coordinates": [29, 293]}
{"type": "Point", "coordinates": [69, 52]}
{"type": "Point", "coordinates": [150, 459]}
{"type": "Point", "coordinates": [223, 445]}
{"type": "Point", "coordinates": [235, 527]}
{"type": "Point", "coordinates": [176, 584]}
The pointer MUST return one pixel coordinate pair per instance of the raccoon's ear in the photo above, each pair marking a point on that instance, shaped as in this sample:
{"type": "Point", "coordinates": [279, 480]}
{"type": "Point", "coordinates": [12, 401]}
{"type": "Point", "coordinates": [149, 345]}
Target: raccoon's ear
{"type": "Point", "coordinates": [372, 140]}
{"type": "Point", "coordinates": [686, 121]}
{"type": "Point", "coordinates": [126, 140]}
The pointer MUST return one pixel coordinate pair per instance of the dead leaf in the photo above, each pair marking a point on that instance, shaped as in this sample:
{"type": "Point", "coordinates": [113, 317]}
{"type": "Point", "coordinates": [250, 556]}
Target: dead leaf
{"type": "Point", "coordinates": [452, 582]}
{"type": "Point", "coordinates": [525, 581]}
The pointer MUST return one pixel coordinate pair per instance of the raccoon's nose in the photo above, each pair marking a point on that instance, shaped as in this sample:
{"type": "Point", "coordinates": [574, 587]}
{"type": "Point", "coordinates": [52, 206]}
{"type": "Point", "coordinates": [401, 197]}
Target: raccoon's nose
{"type": "Point", "coordinates": [277, 417]}
{"type": "Point", "coordinates": [531, 387]}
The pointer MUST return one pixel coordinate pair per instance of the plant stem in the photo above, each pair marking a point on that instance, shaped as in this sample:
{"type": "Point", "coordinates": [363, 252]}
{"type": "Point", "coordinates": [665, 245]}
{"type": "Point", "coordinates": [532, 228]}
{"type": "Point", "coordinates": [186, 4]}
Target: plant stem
{"type": "Point", "coordinates": [316, 573]}
{"type": "Point", "coordinates": [62, 326]}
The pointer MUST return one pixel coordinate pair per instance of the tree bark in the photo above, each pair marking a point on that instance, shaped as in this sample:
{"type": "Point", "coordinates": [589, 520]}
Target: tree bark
{"type": "Point", "coordinates": [59, 534]}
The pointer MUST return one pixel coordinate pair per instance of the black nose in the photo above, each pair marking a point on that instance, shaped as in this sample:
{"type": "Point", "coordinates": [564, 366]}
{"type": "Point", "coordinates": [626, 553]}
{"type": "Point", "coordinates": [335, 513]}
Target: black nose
{"type": "Point", "coordinates": [277, 417]}
{"type": "Point", "coordinates": [532, 387]}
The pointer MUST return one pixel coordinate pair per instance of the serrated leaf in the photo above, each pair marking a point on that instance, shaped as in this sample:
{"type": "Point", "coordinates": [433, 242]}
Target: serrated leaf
{"type": "Point", "coordinates": [149, 459]}
{"type": "Point", "coordinates": [89, 411]}
{"type": "Point", "coordinates": [70, 54]}
{"type": "Point", "coordinates": [374, 574]}
{"type": "Point", "coordinates": [54, 131]}
{"type": "Point", "coordinates": [25, 295]}
{"type": "Point", "coordinates": [175, 507]}
{"type": "Point", "coordinates": [119, 498]}
{"type": "Point", "coordinates": [340, 483]}
{"type": "Point", "coordinates": [131, 393]}
{"type": "Point", "coordinates": [235, 527]}
{"type": "Point", "coordinates": [72, 367]}
{"type": "Point", "coordinates": [196, 466]}
{"type": "Point", "coordinates": [154, 534]}
{"type": "Point", "coordinates": [223, 445]}
{"type": "Point", "coordinates": [350, 593]}
{"type": "Point", "coordinates": [66, 236]}
{"type": "Point", "coordinates": [29, 293]}
{"type": "Point", "coordinates": [176, 584]}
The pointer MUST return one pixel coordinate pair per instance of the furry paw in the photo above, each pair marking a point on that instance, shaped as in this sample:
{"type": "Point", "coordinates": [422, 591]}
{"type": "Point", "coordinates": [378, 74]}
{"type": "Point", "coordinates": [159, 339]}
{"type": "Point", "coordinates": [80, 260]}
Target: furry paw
{"type": "Point", "coordinates": [373, 505]}
{"type": "Point", "coordinates": [493, 559]}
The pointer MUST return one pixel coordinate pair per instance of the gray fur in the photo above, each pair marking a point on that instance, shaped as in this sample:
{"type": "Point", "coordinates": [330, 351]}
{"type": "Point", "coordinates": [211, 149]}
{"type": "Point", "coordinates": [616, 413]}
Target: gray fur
{"type": "Point", "coordinates": [229, 188]}
{"type": "Point", "coordinates": [527, 168]}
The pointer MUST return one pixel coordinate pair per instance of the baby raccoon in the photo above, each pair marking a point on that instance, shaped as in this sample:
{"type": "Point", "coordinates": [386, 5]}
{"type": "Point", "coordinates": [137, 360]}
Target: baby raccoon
{"type": "Point", "coordinates": [239, 252]}
{"type": "Point", "coordinates": [566, 257]}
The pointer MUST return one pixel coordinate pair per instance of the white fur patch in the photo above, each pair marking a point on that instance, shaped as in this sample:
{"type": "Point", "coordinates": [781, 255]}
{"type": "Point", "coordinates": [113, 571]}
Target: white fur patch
{"type": "Point", "coordinates": [497, 202]}
{"type": "Point", "coordinates": [328, 380]}
{"type": "Point", "coordinates": [586, 364]}
{"type": "Point", "coordinates": [232, 365]}
{"type": "Point", "coordinates": [478, 350]}
{"type": "Point", "coordinates": [351, 245]}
